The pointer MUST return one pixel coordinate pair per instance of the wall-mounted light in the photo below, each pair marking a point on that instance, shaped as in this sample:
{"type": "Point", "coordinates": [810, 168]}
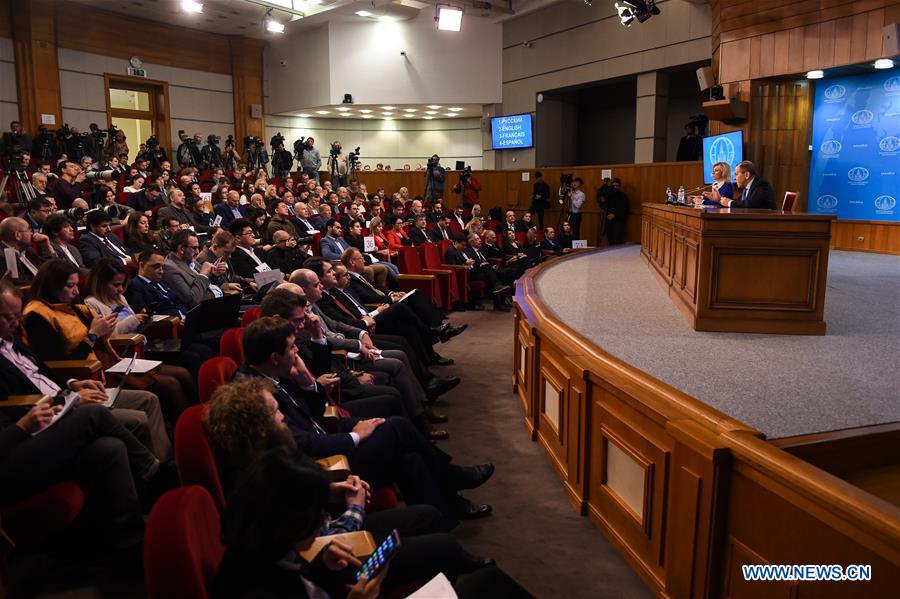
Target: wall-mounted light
{"type": "Point", "coordinates": [273, 26]}
{"type": "Point", "coordinates": [884, 63]}
{"type": "Point", "coordinates": [448, 18]}
{"type": "Point", "coordinates": [191, 6]}
{"type": "Point", "coordinates": [629, 10]}
{"type": "Point", "coordinates": [817, 74]}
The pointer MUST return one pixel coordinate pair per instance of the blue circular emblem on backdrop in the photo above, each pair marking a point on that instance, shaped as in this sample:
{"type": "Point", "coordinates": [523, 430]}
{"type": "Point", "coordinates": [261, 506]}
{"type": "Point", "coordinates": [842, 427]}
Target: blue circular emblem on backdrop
{"type": "Point", "coordinates": [892, 84]}
{"type": "Point", "coordinates": [830, 147]}
{"type": "Point", "coordinates": [889, 144]}
{"type": "Point", "coordinates": [885, 203]}
{"type": "Point", "coordinates": [827, 202]}
{"type": "Point", "coordinates": [835, 92]}
{"type": "Point", "coordinates": [862, 117]}
{"type": "Point", "coordinates": [722, 150]}
{"type": "Point", "coordinates": [857, 174]}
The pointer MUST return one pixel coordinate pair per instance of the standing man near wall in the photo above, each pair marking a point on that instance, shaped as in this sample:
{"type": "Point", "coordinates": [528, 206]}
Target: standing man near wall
{"type": "Point", "coordinates": [434, 178]}
{"type": "Point", "coordinates": [540, 198]}
{"type": "Point", "coordinates": [310, 160]}
{"type": "Point", "coordinates": [576, 203]}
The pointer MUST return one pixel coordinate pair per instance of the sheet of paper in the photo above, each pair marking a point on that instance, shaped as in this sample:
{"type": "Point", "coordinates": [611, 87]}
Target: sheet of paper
{"type": "Point", "coordinates": [11, 264]}
{"type": "Point", "coordinates": [606, 173]}
{"type": "Point", "coordinates": [579, 244]}
{"type": "Point", "coordinates": [71, 398]}
{"type": "Point", "coordinates": [140, 366]}
{"type": "Point", "coordinates": [526, 177]}
{"type": "Point", "coordinates": [206, 195]}
{"type": "Point", "coordinates": [158, 317]}
{"type": "Point", "coordinates": [217, 221]}
{"type": "Point", "coordinates": [436, 588]}
{"type": "Point", "coordinates": [264, 278]}
{"type": "Point", "coordinates": [406, 295]}
{"type": "Point", "coordinates": [369, 244]}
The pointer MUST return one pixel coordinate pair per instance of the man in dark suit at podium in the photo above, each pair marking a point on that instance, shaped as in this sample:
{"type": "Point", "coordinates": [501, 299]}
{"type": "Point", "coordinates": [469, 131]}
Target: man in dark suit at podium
{"type": "Point", "coordinates": [755, 192]}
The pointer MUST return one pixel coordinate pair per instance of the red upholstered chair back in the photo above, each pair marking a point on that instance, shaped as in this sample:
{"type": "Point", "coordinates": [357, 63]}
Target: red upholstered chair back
{"type": "Point", "coordinates": [34, 519]}
{"type": "Point", "coordinates": [231, 345]}
{"type": "Point", "coordinates": [182, 546]}
{"type": "Point", "coordinates": [521, 238]}
{"type": "Point", "coordinates": [214, 372]}
{"type": "Point", "coordinates": [431, 255]}
{"type": "Point", "coordinates": [443, 246]}
{"type": "Point", "coordinates": [455, 228]}
{"type": "Point", "coordinates": [194, 456]}
{"type": "Point", "coordinates": [251, 314]}
{"type": "Point", "coordinates": [408, 261]}
{"type": "Point", "coordinates": [538, 237]}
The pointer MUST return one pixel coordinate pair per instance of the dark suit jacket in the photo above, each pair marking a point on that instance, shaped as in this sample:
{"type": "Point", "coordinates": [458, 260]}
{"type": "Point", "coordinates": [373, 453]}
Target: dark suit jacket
{"type": "Point", "coordinates": [365, 294]}
{"type": "Point", "coordinates": [419, 236]}
{"type": "Point", "coordinates": [58, 253]}
{"type": "Point", "coordinates": [761, 196]}
{"type": "Point", "coordinates": [224, 210]}
{"type": "Point", "coordinates": [437, 235]}
{"type": "Point", "coordinates": [330, 306]}
{"type": "Point", "coordinates": [454, 256]}
{"type": "Point", "coordinates": [14, 382]}
{"type": "Point", "coordinates": [300, 409]}
{"type": "Point", "coordinates": [142, 295]}
{"type": "Point", "coordinates": [92, 249]}
{"type": "Point", "coordinates": [140, 202]}
{"type": "Point", "coordinates": [243, 265]}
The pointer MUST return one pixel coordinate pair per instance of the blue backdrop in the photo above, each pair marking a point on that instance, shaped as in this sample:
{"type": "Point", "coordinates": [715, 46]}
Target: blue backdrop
{"type": "Point", "coordinates": [855, 162]}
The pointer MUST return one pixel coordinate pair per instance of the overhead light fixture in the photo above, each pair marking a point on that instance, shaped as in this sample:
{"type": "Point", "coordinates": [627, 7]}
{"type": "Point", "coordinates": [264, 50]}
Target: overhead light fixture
{"type": "Point", "coordinates": [817, 74]}
{"type": "Point", "coordinates": [344, 114]}
{"type": "Point", "coordinates": [191, 6]}
{"type": "Point", "coordinates": [428, 118]}
{"type": "Point", "coordinates": [629, 10]}
{"type": "Point", "coordinates": [448, 18]}
{"type": "Point", "coordinates": [434, 106]}
{"type": "Point", "coordinates": [455, 109]}
{"type": "Point", "coordinates": [388, 107]}
{"type": "Point", "coordinates": [304, 115]}
{"type": "Point", "coordinates": [451, 114]}
{"type": "Point", "coordinates": [321, 112]}
{"type": "Point", "coordinates": [387, 113]}
{"type": "Point", "coordinates": [342, 109]}
{"type": "Point", "coordinates": [884, 63]}
{"type": "Point", "coordinates": [431, 112]}
{"type": "Point", "coordinates": [409, 115]}
{"type": "Point", "coordinates": [273, 26]}
{"type": "Point", "coordinates": [363, 13]}
{"type": "Point", "coordinates": [365, 111]}
{"type": "Point", "coordinates": [387, 118]}
{"type": "Point", "coordinates": [589, 2]}
{"type": "Point", "coordinates": [366, 116]}
{"type": "Point", "coordinates": [386, 19]}
{"type": "Point", "coordinates": [409, 110]}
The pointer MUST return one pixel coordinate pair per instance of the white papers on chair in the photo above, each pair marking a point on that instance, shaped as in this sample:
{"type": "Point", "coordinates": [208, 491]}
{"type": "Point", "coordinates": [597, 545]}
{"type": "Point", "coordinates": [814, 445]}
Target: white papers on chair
{"type": "Point", "coordinates": [579, 244]}
{"type": "Point", "coordinates": [436, 588]}
{"type": "Point", "coordinates": [71, 398]}
{"type": "Point", "coordinates": [139, 367]}
{"type": "Point", "coordinates": [217, 221]}
{"type": "Point", "coordinates": [11, 264]}
{"type": "Point", "coordinates": [268, 276]}
{"type": "Point", "coordinates": [158, 317]}
{"type": "Point", "coordinates": [368, 244]}
{"type": "Point", "coordinates": [206, 195]}
{"type": "Point", "coordinates": [262, 267]}
{"type": "Point", "coordinates": [406, 295]}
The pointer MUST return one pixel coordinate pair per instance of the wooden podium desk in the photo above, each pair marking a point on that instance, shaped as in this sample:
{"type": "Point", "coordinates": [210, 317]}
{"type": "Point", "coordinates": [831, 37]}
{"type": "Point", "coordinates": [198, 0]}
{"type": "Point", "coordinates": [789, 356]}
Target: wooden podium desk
{"type": "Point", "coordinates": [740, 270]}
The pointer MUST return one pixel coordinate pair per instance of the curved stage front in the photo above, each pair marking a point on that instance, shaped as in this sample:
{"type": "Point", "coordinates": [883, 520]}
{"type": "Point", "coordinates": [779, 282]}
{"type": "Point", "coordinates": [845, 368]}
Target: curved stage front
{"type": "Point", "coordinates": [663, 435]}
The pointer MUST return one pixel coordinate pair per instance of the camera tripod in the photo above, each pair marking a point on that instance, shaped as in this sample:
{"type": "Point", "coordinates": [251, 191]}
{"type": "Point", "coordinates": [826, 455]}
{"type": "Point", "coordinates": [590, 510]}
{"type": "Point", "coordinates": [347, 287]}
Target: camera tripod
{"type": "Point", "coordinates": [563, 206]}
{"type": "Point", "coordinates": [22, 187]}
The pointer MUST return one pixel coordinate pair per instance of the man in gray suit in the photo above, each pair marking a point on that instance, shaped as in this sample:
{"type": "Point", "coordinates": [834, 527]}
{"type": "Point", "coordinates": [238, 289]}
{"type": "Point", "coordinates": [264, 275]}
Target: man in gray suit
{"type": "Point", "coordinates": [62, 236]}
{"type": "Point", "coordinates": [185, 276]}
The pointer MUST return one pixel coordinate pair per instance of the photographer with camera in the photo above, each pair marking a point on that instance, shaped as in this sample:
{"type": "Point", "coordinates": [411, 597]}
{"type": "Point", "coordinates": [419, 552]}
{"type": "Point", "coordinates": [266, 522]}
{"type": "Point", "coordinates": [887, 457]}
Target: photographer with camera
{"type": "Point", "coordinates": [338, 165]}
{"type": "Point", "coordinates": [310, 160]}
{"type": "Point", "coordinates": [540, 198]}
{"type": "Point", "coordinates": [188, 153]}
{"type": "Point", "coordinates": [230, 157]}
{"type": "Point", "coordinates": [576, 203]}
{"type": "Point", "coordinates": [434, 178]}
{"type": "Point", "coordinates": [210, 154]}
{"type": "Point", "coordinates": [255, 155]}
{"type": "Point", "coordinates": [468, 187]}
{"type": "Point", "coordinates": [68, 190]}
{"type": "Point", "coordinates": [282, 160]}
{"type": "Point", "coordinates": [16, 138]}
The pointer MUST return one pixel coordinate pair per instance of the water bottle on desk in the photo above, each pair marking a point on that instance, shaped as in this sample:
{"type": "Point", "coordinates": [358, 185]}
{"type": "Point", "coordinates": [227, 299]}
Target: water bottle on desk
{"type": "Point", "coordinates": [668, 195]}
{"type": "Point", "coordinates": [681, 194]}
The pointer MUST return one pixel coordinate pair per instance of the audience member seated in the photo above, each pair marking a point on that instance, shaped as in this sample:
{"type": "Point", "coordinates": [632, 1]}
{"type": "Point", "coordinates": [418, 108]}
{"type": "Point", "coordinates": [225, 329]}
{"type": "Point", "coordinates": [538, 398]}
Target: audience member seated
{"type": "Point", "coordinates": [419, 232]}
{"type": "Point", "coordinates": [507, 225]}
{"type": "Point", "coordinates": [382, 451]}
{"type": "Point", "coordinates": [382, 246]}
{"type": "Point", "coordinates": [507, 272]}
{"type": "Point", "coordinates": [354, 237]}
{"type": "Point", "coordinates": [482, 269]}
{"type": "Point", "coordinates": [550, 243]}
{"type": "Point", "coordinates": [15, 234]}
{"type": "Point", "coordinates": [39, 209]}
{"type": "Point", "coordinates": [441, 229]}
{"type": "Point", "coordinates": [138, 236]}
{"type": "Point", "coordinates": [281, 221]}
{"type": "Point", "coordinates": [565, 237]}
{"type": "Point", "coordinates": [219, 253]}
{"type": "Point", "coordinates": [98, 242]}
{"type": "Point", "coordinates": [145, 200]}
{"type": "Point", "coordinates": [105, 287]}
{"type": "Point", "coordinates": [285, 255]}
{"type": "Point", "coordinates": [333, 245]}
{"type": "Point", "coordinates": [246, 258]}
{"type": "Point", "coordinates": [176, 209]}
{"type": "Point", "coordinates": [57, 328]}
{"type": "Point", "coordinates": [396, 235]}
{"type": "Point", "coordinates": [302, 223]}
{"type": "Point", "coordinates": [231, 209]}
{"type": "Point", "coordinates": [190, 281]}
{"type": "Point", "coordinates": [67, 188]}
{"type": "Point", "coordinates": [134, 184]}
{"type": "Point", "coordinates": [62, 233]}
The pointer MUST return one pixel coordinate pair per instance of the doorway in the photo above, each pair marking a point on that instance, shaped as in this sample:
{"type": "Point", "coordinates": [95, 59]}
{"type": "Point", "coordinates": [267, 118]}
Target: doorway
{"type": "Point", "coordinates": [140, 108]}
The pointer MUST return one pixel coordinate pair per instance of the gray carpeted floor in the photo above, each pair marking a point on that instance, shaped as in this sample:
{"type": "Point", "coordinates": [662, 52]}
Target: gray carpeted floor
{"type": "Point", "coordinates": [783, 385]}
{"type": "Point", "coordinates": [534, 533]}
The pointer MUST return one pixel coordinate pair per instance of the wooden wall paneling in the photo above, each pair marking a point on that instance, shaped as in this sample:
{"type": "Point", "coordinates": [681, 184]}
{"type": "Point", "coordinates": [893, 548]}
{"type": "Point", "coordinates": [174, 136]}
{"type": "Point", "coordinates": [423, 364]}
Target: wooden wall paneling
{"type": "Point", "coordinates": [843, 32]}
{"type": "Point", "coordinates": [826, 46]}
{"type": "Point", "coordinates": [5, 19]}
{"type": "Point", "coordinates": [811, 35]}
{"type": "Point", "coordinates": [247, 86]}
{"type": "Point", "coordinates": [795, 49]}
{"type": "Point", "coordinates": [876, 236]}
{"type": "Point", "coordinates": [155, 42]}
{"type": "Point", "coordinates": [875, 34]}
{"type": "Point", "coordinates": [525, 350]}
{"type": "Point", "coordinates": [37, 69]}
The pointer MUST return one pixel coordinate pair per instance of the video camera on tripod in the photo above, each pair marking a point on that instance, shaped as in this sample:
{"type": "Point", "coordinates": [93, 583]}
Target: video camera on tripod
{"type": "Point", "coordinates": [565, 185]}
{"type": "Point", "coordinates": [353, 158]}
{"type": "Point", "coordinates": [14, 158]}
{"type": "Point", "coordinates": [277, 140]}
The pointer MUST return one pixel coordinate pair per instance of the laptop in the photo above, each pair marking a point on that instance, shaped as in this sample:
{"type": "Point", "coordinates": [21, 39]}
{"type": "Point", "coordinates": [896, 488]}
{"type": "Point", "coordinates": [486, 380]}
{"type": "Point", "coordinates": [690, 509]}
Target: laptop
{"type": "Point", "coordinates": [209, 315]}
{"type": "Point", "coordinates": [114, 393]}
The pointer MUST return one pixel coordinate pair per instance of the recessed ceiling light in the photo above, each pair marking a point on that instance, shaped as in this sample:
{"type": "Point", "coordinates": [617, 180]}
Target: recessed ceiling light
{"type": "Point", "coordinates": [884, 63]}
{"type": "Point", "coordinates": [431, 112]}
{"type": "Point", "coordinates": [367, 116]}
{"type": "Point", "coordinates": [817, 74]}
{"type": "Point", "coordinates": [428, 118]}
{"type": "Point", "coordinates": [434, 106]}
{"type": "Point", "coordinates": [388, 107]}
{"type": "Point", "coordinates": [409, 110]}
{"type": "Point", "coordinates": [450, 114]}
{"type": "Point", "coordinates": [342, 109]}
{"type": "Point", "coordinates": [365, 111]}
{"type": "Point", "coordinates": [388, 113]}
{"type": "Point", "coordinates": [321, 112]}
{"type": "Point", "coordinates": [345, 114]}
{"type": "Point", "coordinates": [304, 115]}
{"type": "Point", "coordinates": [191, 6]}
{"type": "Point", "coordinates": [454, 109]}
{"type": "Point", "coordinates": [363, 13]}
{"type": "Point", "coordinates": [449, 19]}
{"type": "Point", "coordinates": [273, 26]}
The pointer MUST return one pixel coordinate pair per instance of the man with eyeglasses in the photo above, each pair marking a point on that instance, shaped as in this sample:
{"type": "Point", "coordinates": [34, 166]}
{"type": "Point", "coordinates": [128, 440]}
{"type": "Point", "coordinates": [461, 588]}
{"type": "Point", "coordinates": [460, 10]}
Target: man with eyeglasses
{"type": "Point", "coordinates": [16, 235]}
{"type": "Point", "coordinates": [99, 242]}
{"type": "Point", "coordinates": [39, 209]}
{"type": "Point", "coordinates": [182, 273]}
{"type": "Point", "coordinates": [284, 254]}
{"type": "Point", "coordinates": [246, 259]}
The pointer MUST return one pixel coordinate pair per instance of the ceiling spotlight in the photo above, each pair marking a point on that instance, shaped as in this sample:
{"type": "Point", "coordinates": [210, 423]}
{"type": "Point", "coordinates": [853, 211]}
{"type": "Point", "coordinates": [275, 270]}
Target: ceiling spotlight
{"type": "Point", "coordinates": [451, 114]}
{"type": "Point", "coordinates": [191, 6]}
{"type": "Point", "coordinates": [304, 115]}
{"type": "Point", "coordinates": [388, 107]}
{"type": "Point", "coordinates": [345, 114]}
{"type": "Point", "coordinates": [409, 110]}
{"type": "Point", "coordinates": [342, 109]}
{"type": "Point", "coordinates": [434, 106]}
{"type": "Point", "coordinates": [365, 111]}
{"type": "Point", "coordinates": [455, 109]}
{"type": "Point", "coordinates": [273, 26]}
{"type": "Point", "coordinates": [884, 63]}
{"type": "Point", "coordinates": [386, 19]}
{"type": "Point", "coordinates": [428, 118]}
{"type": "Point", "coordinates": [431, 112]}
{"type": "Point", "coordinates": [363, 13]}
{"type": "Point", "coordinates": [817, 74]}
{"type": "Point", "coordinates": [589, 2]}
{"type": "Point", "coordinates": [409, 115]}
{"type": "Point", "coordinates": [366, 116]}
{"type": "Point", "coordinates": [321, 112]}
{"type": "Point", "coordinates": [629, 10]}
{"type": "Point", "coordinates": [448, 18]}
{"type": "Point", "coordinates": [387, 113]}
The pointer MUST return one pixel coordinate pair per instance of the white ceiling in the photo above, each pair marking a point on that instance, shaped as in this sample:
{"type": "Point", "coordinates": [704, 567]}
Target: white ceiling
{"type": "Point", "coordinates": [386, 112]}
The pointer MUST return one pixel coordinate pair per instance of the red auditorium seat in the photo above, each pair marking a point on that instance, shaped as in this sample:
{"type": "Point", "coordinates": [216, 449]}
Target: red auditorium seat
{"type": "Point", "coordinates": [409, 263]}
{"type": "Point", "coordinates": [231, 345]}
{"type": "Point", "coordinates": [33, 520]}
{"type": "Point", "coordinates": [431, 256]}
{"type": "Point", "coordinates": [251, 314]}
{"type": "Point", "coordinates": [194, 457]}
{"type": "Point", "coordinates": [182, 545]}
{"type": "Point", "coordinates": [214, 372]}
